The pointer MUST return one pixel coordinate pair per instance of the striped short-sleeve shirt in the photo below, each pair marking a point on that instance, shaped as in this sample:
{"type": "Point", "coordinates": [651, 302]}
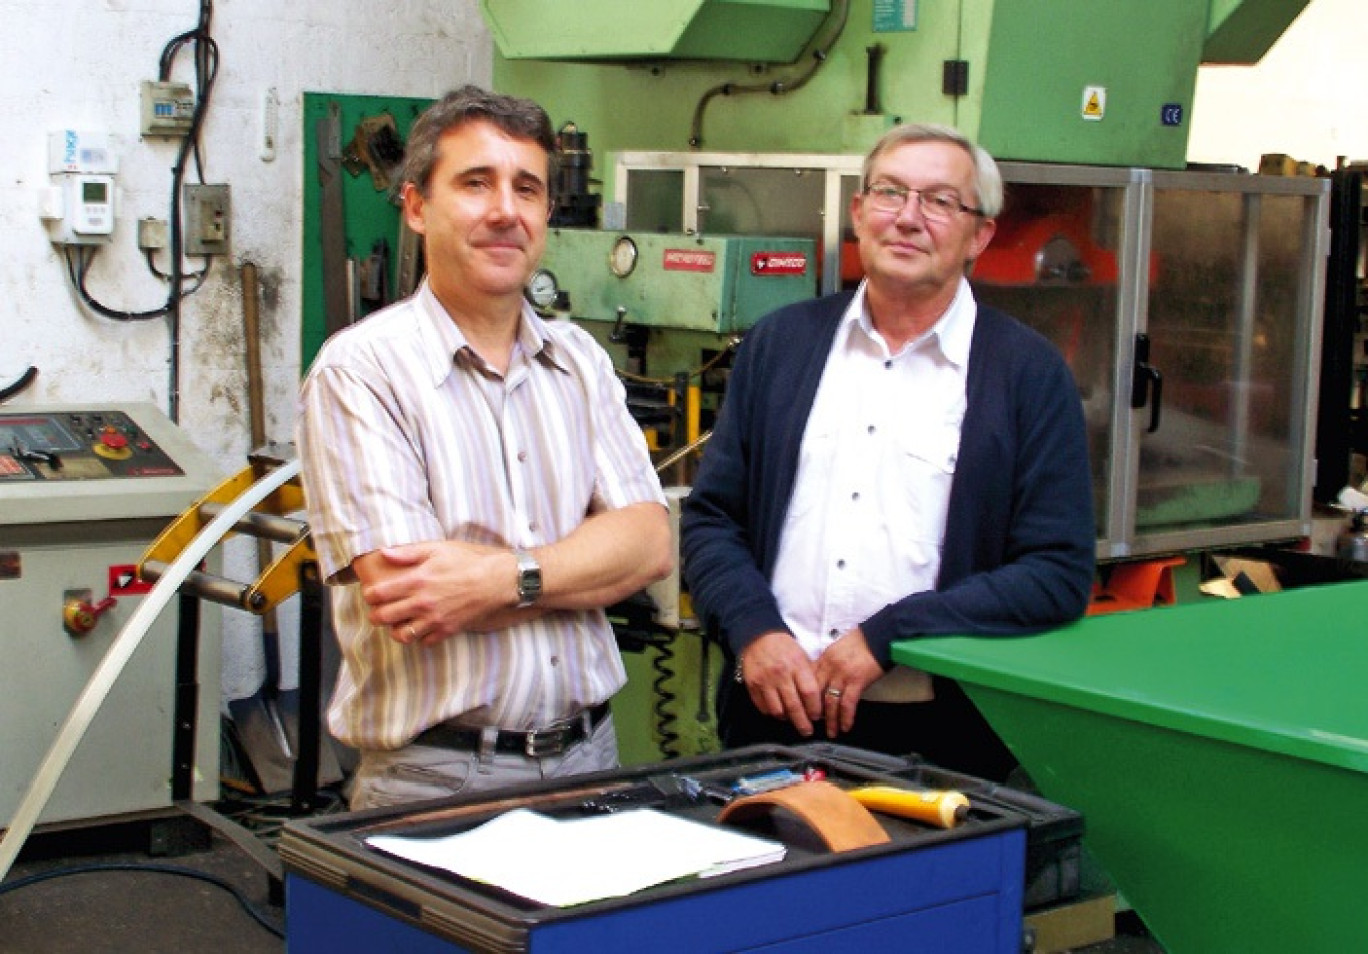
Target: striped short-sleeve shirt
{"type": "Point", "coordinates": [405, 435]}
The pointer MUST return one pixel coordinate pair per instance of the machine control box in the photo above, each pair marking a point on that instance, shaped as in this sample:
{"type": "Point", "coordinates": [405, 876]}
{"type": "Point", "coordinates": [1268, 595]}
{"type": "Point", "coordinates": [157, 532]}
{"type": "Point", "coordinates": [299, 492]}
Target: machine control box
{"type": "Point", "coordinates": [78, 445]}
{"type": "Point", "coordinates": [64, 463]}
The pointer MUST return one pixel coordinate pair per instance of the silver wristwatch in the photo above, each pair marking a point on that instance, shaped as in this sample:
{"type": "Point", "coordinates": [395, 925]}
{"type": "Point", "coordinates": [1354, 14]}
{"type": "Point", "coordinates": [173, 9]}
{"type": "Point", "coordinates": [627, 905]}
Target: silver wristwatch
{"type": "Point", "coordinates": [529, 579]}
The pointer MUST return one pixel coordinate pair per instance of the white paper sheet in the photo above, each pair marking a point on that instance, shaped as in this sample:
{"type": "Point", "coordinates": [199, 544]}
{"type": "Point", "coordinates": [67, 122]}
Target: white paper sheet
{"type": "Point", "coordinates": [573, 861]}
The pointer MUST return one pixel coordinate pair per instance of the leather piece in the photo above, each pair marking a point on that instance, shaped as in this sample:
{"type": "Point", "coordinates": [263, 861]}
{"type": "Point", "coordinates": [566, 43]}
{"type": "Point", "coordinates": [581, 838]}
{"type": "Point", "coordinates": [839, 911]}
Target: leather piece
{"type": "Point", "coordinates": [832, 814]}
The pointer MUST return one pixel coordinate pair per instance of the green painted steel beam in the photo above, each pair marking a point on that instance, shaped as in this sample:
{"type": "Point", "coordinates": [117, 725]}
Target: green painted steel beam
{"type": "Point", "coordinates": [761, 31]}
{"type": "Point", "coordinates": [1242, 31]}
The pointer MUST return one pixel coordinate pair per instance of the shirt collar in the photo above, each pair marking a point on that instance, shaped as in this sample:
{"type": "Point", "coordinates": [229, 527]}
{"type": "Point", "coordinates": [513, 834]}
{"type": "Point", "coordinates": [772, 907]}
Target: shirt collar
{"type": "Point", "coordinates": [442, 338]}
{"type": "Point", "coordinates": [953, 332]}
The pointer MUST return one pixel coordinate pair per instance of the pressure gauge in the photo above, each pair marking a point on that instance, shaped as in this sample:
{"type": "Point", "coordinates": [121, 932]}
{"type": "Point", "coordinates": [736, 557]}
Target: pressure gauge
{"type": "Point", "coordinates": [623, 258]}
{"type": "Point", "coordinates": [542, 289]}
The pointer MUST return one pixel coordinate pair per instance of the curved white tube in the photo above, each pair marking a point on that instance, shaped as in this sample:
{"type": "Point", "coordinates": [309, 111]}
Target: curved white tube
{"type": "Point", "coordinates": [118, 654]}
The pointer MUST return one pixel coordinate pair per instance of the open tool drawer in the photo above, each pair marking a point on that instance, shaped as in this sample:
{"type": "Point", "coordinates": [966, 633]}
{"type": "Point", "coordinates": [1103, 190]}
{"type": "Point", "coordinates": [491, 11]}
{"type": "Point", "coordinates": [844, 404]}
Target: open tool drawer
{"type": "Point", "coordinates": [928, 888]}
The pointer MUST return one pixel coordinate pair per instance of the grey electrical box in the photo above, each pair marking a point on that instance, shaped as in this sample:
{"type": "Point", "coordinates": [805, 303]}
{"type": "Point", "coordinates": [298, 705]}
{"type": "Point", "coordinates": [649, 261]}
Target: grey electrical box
{"type": "Point", "coordinates": [168, 109]}
{"type": "Point", "coordinates": [208, 217]}
{"type": "Point", "coordinates": [151, 234]}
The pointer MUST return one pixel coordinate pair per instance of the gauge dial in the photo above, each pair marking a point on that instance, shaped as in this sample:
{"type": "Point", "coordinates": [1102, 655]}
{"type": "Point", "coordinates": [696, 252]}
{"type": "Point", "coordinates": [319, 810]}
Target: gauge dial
{"type": "Point", "coordinates": [623, 258]}
{"type": "Point", "coordinates": [542, 289]}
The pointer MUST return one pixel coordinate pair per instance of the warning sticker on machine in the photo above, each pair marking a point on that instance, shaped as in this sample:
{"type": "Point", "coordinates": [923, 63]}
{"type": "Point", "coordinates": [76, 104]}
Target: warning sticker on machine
{"type": "Point", "coordinates": [1094, 103]}
{"type": "Point", "coordinates": [689, 260]}
{"type": "Point", "coordinates": [778, 263]}
{"type": "Point", "coordinates": [124, 581]}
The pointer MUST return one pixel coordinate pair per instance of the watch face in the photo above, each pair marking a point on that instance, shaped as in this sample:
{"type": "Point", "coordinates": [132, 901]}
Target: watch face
{"type": "Point", "coordinates": [529, 578]}
{"type": "Point", "coordinates": [622, 259]}
{"type": "Point", "coordinates": [542, 288]}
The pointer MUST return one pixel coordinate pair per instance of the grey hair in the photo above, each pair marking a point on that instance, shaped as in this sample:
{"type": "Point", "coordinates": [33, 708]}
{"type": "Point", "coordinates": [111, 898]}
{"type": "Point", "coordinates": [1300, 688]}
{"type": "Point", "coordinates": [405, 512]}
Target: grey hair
{"type": "Point", "coordinates": [987, 176]}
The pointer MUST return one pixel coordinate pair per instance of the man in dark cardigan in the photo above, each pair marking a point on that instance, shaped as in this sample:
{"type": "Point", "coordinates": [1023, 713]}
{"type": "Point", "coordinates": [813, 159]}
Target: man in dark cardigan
{"type": "Point", "coordinates": [888, 464]}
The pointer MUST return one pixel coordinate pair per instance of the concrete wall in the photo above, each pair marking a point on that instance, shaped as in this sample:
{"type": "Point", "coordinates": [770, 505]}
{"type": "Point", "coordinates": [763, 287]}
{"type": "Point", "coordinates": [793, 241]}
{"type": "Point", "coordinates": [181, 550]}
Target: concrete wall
{"type": "Point", "coordinates": [79, 64]}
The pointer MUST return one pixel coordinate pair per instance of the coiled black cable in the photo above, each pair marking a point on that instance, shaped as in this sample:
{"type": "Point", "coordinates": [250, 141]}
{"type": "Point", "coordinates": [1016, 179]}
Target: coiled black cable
{"type": "Point", "coordinates": [665, 717]}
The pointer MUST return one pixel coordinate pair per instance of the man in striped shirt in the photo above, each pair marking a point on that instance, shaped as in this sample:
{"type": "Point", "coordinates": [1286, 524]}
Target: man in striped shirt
{"type": "Point", "coordinates": [477, 490]}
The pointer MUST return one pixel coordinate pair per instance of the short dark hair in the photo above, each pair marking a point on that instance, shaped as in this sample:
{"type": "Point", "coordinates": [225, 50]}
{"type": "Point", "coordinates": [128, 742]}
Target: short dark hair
{"type": "Point", "coordinates": [516, 116]}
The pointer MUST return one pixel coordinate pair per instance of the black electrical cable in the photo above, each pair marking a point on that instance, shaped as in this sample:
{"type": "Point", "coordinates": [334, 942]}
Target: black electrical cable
{"type": "Point", "coordinates": [206, 58]}
{"type": "Point", "coordinates": [198, 276]}
{"type": "Point", "coordinates": [241, 899]}
{"type": "Point", "coordinates": [817, 53]}
{"type": "Point", "coordinates": [25, 379]}
{"type": "Point", "coordinates": [206, 72]}
{"type": "Point", "coordinates": [665, 717]}
{"type": "Point", "coordinates": [78, 269]}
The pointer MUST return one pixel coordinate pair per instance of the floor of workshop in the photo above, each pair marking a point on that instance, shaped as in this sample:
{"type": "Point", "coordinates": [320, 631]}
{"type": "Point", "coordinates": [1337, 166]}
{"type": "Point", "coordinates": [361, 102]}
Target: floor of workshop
{"type": "Point", "coordinates": [102, 890]}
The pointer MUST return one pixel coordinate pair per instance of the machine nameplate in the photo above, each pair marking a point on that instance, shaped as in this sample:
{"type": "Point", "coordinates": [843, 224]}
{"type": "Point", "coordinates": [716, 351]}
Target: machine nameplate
{"type": "Point", "coordinates": [778, 263]}
{"type": "Point", "coordinates": [689, 260]}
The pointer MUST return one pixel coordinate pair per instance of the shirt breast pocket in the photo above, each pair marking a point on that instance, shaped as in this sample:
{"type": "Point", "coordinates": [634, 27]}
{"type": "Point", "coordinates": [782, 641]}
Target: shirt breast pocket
{"type": "Point", "coordinates": [924, 469]}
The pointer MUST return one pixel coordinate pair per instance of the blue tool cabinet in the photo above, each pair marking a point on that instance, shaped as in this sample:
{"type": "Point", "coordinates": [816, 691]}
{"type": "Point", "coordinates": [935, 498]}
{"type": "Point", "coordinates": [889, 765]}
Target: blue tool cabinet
{"type": "Point", "coordinates": [926, 890]}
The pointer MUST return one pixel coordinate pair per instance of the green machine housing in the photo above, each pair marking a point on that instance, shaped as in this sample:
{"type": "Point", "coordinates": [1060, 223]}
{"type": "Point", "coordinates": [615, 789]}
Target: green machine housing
{"type": "Point", "coordinates": [709, 283]}
{"type": "Point", "coordinates": [1071, 81]}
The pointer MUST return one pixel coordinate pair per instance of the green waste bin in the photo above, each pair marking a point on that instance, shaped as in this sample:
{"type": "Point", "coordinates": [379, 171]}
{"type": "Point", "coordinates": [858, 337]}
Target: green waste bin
{"type": "Point", "coordinates": [1218, 752]}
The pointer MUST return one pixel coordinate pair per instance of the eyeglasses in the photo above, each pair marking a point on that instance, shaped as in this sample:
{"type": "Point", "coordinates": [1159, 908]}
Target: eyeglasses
{"type": "Point", "coordinates": [938, 205]}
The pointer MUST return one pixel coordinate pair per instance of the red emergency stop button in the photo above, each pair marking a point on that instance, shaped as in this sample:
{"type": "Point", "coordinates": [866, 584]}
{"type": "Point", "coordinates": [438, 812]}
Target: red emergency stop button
{"type": "Point", "coordinates": [113, 445]}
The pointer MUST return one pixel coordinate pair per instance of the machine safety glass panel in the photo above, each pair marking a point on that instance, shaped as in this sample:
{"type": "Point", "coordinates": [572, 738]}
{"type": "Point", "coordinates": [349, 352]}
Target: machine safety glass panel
{"type": "Point", "coordinates": [1056, 263]}
{"type": "Point", "coordinates": [741, 201]}
{"type": "Point", "coordinates": [655, 200]}
{"type": "Point", "coordinates": [1230, 327]}
{"type": "Point", "coordinates": [1187, 305]}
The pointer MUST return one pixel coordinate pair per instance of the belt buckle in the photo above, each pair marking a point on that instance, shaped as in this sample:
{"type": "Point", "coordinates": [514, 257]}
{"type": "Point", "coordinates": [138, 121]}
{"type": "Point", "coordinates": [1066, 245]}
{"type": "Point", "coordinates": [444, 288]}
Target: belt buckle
{"type": "Point", "coordinates": [540, 745]}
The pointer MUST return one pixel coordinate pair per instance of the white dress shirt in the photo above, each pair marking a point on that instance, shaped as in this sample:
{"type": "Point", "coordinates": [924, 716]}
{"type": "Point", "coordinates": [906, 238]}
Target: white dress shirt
{"type": "Point", "coordinates": [867, 519]}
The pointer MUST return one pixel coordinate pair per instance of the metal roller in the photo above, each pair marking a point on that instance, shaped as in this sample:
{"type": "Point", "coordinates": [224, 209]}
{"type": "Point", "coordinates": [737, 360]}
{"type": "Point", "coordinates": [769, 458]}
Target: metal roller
{"type": "Point", "coordinates": [209, 586]}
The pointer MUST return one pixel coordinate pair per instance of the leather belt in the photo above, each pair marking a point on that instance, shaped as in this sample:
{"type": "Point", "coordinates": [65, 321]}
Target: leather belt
{"type": "Point", "coordinates": [541, 743]}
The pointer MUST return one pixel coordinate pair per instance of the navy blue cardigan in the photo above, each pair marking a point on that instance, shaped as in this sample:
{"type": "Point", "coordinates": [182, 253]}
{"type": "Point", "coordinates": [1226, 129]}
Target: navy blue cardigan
{"type": "Point", "coordinates": [1019, 542]}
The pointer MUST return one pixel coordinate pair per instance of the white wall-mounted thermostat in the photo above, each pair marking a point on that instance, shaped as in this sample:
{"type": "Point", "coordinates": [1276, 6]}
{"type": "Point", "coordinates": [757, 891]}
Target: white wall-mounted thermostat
{"type": "Point", "coordinates": [79, 207]}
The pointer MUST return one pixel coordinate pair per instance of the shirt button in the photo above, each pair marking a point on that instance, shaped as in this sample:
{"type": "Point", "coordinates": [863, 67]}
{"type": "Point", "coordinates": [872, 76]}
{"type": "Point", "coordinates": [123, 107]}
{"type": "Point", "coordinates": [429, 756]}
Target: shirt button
{"type": "Point", "coordinates": [871, 429]}
{"type": "Point", "coordinates": [532, 526]}
{"type": "Point", "coordinates": [855, 495]}
{"type": "Point", "coordinates": [522, 456]}
{"type": "Point", "coordinates": [888, 364]}
{"type": "Point", "coordinates": [833, 633]}
{"type": "Point", "coordinates": [555, 660]}
{"type": "Point", "coordinates": [840, 564]}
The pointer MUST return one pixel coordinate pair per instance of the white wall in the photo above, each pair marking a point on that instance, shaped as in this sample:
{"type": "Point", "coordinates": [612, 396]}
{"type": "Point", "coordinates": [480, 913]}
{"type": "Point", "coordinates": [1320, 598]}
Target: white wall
{"type": "Point", "coordinates": [78, 64]}
{"type": "Point", "coordinates": [1307, 98]}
